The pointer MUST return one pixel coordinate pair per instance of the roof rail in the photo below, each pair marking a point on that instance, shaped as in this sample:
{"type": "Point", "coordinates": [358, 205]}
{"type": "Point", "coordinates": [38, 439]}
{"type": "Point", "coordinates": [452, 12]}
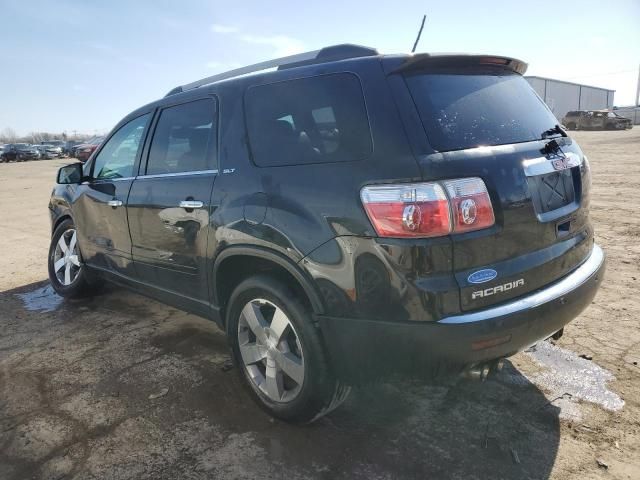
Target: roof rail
{"type": "Point", "coordinates": [326, 54]}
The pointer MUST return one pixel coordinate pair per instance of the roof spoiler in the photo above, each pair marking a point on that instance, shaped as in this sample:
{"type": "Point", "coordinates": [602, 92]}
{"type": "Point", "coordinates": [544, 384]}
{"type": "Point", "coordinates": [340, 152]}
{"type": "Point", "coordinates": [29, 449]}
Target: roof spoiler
{"type": "Point", "coordinates": [443, 61]}
{"type": "Point", "coordinates": [326, 54]}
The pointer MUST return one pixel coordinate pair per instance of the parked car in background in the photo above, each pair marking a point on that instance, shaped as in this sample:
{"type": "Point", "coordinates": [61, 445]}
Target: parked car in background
{"type": "Point", "coordinates": [20, 152]}
{"type": "Point", "coordinates": [60, 144]}
{"type": "Point", "coordinates": [595, 120]}
{"type": "Point", "coordinates": [69, 147]}
{"type": "Point", "coordinates": [28, 152]}
{"type": "Point", "coordinates": [7, 154]}
{"type": "Point", "coordinates": [462, 238]}
{"type": "Point", "coordinates": [49, 151]}
{"type": "Point", "coordinates": [83, 151]}
{"type": "Point", "coordinates": [42, 150]}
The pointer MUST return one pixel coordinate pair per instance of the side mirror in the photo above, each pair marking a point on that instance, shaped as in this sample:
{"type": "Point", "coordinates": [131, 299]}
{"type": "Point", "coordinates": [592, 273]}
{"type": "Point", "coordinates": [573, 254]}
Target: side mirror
{"type": "Point", "coordinates": [70, 174]}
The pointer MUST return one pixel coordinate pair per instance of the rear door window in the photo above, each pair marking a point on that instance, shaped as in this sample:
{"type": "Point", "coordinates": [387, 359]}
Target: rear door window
{"type": "Point", "coordinates": [184, 139]}
{"type": "Point", "coordinates": [461, 111]}
{"type": "Point", "coordinates": [309, 120]}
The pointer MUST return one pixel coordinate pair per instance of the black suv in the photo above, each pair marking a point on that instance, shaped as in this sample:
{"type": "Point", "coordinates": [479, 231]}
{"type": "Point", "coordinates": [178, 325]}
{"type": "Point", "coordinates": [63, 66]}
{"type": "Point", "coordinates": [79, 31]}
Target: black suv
{"type": "Point", "coordinates": [20, 152]}
{"type": "Point", "coordinates": [347, 215]}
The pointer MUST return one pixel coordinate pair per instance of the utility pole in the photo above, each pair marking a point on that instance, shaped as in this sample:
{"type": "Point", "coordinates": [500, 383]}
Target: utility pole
{"type": "Point", "coordinates": [638, 89]}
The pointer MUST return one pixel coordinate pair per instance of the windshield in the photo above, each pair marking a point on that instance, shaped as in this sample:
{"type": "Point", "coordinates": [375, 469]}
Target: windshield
{"type": "Point", "coordinates": [465, 111]}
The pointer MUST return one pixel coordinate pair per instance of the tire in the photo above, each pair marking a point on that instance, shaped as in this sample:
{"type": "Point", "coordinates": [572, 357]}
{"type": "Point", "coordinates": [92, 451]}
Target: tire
{"type": "Point", "coordinates": [572, 126]}
{"type": "Point", "coordinates": [77, 284]}
{"type": "Point", "coordinates": [306, 389]}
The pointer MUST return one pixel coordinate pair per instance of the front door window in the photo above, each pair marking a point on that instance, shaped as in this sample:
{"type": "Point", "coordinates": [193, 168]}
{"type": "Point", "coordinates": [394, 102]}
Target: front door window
{"type": "Point", "coordinates": [118, 157]}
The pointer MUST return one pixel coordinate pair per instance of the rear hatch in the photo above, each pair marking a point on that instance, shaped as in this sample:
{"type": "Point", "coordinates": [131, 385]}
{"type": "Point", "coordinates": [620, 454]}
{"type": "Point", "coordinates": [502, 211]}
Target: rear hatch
{"type": "Point", "coordinates": [484, 120]}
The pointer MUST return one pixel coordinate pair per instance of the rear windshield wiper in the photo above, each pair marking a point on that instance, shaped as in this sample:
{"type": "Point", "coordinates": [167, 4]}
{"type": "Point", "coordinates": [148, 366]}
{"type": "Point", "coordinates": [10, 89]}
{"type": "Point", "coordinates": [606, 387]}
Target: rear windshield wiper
{"type": "Point", "coordinates": [555, 130]}
{"type": "Point", "coordinates": [553, 145]}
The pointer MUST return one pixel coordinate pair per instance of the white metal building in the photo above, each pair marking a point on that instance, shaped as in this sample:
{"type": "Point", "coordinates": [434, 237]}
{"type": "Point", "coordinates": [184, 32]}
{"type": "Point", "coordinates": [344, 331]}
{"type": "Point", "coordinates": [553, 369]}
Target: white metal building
{"type": "Point", "coordinates": [632, 113]}
{"type": "Point", "coordinates": [563, 97]}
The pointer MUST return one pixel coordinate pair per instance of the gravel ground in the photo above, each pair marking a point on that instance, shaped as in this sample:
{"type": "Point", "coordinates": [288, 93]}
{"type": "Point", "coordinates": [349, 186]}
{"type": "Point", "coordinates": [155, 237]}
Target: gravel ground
{"type": "Point", "coordinates": [120, 386]}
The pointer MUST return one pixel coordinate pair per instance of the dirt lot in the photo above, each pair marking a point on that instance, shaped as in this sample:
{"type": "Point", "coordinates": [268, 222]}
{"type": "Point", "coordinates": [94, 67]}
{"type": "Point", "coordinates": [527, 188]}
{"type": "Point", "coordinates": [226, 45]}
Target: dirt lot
{"type": "Point", "coordinates": [76, 377]}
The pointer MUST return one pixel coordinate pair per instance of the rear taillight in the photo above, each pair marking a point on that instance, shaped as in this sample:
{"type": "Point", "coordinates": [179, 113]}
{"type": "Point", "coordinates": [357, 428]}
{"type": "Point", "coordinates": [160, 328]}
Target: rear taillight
{"type": "Point", "coordinates": [411, 210]}
{"type": "Point", "coordinates": [470, 204]}
{"type": "Point", "coordinates": [429, 209]}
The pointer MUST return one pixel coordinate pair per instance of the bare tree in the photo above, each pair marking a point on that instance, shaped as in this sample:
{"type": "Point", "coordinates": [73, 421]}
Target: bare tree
{"type": "Point", "coordinates": [8, 135]}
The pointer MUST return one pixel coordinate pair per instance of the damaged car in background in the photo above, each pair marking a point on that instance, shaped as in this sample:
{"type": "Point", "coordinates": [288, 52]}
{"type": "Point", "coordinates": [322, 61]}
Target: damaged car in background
{"type": "Point", "coordinates": [596, 120]}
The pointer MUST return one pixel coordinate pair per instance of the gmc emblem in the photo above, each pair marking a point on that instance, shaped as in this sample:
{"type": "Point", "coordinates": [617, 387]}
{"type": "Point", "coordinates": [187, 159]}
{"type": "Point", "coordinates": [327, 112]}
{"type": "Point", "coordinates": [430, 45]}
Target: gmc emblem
{"type": "Point", "coordinates": [565, 162]}
{"type": "Point", "coordinates": [560, 164]}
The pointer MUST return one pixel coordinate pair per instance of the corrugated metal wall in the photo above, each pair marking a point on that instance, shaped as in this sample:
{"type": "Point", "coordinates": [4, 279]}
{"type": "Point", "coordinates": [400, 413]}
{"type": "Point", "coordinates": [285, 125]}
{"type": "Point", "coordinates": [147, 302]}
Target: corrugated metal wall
{"type": "Point", "coordinates": [633, 113]}
{"type": "Point", "coordinates": [564, 96]}
{"type": "Point", "coordinates": [538, 85]}
{"type": "Point", "coordinates": [594, 98]}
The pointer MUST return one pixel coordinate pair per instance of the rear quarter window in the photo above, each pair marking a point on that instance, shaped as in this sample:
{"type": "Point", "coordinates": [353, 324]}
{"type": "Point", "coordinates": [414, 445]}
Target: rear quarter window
{"type": "Point", "coordinates": [319, 119]}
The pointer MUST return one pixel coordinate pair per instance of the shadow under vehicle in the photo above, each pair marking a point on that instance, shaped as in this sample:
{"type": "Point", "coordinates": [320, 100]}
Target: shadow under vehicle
{"type": "Point", "coordinates": [112, 350]}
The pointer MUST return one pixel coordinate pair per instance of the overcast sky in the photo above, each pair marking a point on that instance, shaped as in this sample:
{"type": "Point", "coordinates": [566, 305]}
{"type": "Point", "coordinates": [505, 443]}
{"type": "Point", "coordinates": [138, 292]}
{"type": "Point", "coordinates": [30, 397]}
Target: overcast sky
{"type": "Point", "coordinates": [83, 65]}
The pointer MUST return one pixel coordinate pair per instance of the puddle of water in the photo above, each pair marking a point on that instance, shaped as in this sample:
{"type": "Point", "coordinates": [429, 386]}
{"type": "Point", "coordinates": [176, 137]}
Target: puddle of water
{"type": "Point", "coordinates": [567, 373]}
{"type": "Point", "coordinates": [43, 299]}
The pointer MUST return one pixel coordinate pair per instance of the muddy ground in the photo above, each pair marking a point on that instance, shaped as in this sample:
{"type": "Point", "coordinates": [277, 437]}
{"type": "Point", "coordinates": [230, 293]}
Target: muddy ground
{"type": "Point", "coordinates": [76, 377]}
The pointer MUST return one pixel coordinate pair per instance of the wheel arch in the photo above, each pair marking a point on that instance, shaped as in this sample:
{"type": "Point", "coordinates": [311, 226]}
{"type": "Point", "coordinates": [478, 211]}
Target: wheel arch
{"type": "Point", "coordinates": [61, 218]}
{"type": "Point", "coordinates": [236, 263]}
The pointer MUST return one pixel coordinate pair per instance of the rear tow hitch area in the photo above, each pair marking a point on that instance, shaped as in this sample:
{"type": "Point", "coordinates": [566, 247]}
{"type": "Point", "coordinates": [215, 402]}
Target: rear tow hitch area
{"type": "Point", "coordinates": [482, 371]}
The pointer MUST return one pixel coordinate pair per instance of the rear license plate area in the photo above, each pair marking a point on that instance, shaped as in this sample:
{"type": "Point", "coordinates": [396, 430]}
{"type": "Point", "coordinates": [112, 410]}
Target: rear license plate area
{"type": "Point", "coordinates": [552, 191]}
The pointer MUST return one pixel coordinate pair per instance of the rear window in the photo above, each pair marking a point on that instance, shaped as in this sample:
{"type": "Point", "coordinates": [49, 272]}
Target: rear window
{"type": "Point", "coordinates": [310, 120]}
{"type": "Point", "coordinates": [464, 111]}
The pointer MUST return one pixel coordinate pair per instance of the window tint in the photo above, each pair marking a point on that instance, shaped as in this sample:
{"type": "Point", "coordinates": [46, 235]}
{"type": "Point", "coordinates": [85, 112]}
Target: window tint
{"type": "Point", "coordinates": [465, 111]}
{"type": "Point", "coordinates": [309, 120]}
{"type": "Point", "coordinates": [184, 139]}
{"type": "Point", "coordinates": [117, 157]}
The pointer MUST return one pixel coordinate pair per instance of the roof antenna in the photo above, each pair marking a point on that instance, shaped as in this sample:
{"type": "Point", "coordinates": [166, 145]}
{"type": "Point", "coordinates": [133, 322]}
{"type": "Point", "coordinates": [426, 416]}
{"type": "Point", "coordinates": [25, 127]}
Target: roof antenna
{"type": "Point", "coordinates": [424, 17]}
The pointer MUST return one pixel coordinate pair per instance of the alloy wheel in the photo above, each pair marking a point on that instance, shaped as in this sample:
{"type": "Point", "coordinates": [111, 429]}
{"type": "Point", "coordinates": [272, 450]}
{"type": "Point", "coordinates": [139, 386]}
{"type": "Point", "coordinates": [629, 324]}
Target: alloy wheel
{"type": "Point", "coordinates": [271, 351]}
{"type": "Point", "coordinates": [66, 261]}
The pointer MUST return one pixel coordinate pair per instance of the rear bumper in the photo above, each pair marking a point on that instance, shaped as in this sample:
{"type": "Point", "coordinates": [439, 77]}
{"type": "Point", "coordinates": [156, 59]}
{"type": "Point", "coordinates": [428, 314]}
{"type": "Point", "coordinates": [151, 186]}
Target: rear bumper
{"type": "Point", "coordinates": [362, 349]}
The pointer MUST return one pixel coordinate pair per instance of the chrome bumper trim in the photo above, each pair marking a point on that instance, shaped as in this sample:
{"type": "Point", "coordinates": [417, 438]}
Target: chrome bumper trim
{"type": "Point", "coordinates": [555, 291]}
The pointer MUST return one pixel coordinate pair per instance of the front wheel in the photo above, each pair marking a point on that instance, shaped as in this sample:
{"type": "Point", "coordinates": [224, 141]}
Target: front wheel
{"type": "Point", "coordinates": [67, 273]}
{"type": "Point", "coordinates": [279, 352]}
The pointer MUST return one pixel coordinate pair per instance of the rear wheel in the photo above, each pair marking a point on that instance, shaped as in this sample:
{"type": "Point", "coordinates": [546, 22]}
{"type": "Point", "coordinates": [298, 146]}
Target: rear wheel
{"type": "Point", "coordinates": [67, 273]}
{"type": "Point", "coordinates": [572, 126]}
{"type": "Point", "coordinates": [279, 352]}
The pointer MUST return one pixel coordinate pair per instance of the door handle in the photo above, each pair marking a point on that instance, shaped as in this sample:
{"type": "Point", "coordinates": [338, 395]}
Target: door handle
{"type": "Point", "coordinates": [114, 203]}
{"type": "Point", "coordinates": [191, 204]}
